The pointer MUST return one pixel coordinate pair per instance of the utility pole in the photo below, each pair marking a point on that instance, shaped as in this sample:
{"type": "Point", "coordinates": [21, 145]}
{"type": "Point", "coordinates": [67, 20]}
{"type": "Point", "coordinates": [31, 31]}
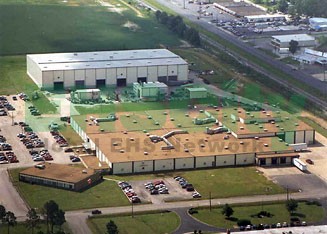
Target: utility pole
{"type": "Point", "coordinates": [210, 201]}
{"type": "Point", "coordinates": [132, 209]}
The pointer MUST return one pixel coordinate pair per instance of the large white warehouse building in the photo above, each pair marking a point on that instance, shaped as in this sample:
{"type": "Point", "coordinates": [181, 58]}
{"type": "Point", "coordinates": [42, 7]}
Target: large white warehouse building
{"type": "Point", "coordinates": [104, 68]}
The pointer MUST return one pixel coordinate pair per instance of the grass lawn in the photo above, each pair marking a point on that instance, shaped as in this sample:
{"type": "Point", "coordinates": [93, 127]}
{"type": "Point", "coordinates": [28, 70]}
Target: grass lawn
{"type": "Point", "coordinates": [308, 213]}
{"type": "Point", "coordinates": [229, 77]}
{"type": "Point", "coordinates": [314, 125]}
{"type": "Point", "coordinates": [155, 223]}
{"type": "Point", "coordinates": [20, 228]}
{"type": "Point", "coordinates": [221, 182]}
{"type": "Point", "coordinates": [60, 28]}
{"type": "Point", "coordinates": [71, 136]}
{"type": "Point", "coordinates": [105, 194]}
{"type": "Point", "coordinates": [15, 80]}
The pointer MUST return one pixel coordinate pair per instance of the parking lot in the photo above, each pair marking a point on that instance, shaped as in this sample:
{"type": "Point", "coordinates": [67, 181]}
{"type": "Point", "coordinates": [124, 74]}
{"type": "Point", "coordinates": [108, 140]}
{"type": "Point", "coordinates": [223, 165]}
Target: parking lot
{"type": "Point", "coordinates": [175, 191]}
{"type": "Point", "coordinates": [10, 129]}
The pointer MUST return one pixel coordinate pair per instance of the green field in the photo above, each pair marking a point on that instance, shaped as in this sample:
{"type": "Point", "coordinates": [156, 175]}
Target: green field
{"type": "Point", "coordinates": [105, 194]}
{"type": "Point", "coordinates": [71, 136]}
{"type": "Point", "coordinates": [314, 125]}
{"type": "Point", "coordinates": [308, 213]}
{"type": "Point", "coordinates": [15, 80]}
{"type": "Point", "coordinates": [59, 28]}
{"type": "Point", "coordinates": [222, 182]}
{"type": "Point", "coordinates": [156, 223]}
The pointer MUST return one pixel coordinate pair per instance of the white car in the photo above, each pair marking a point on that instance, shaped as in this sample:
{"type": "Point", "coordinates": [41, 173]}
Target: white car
{"type": "Point", "coordinates": [196, 195]}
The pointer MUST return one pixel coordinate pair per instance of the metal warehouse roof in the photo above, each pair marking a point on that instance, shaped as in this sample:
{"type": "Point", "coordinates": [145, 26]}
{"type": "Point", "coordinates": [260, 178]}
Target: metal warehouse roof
{"type": "Point", "coordinates": [318, 20]}
{"type": "Point", "coordinates": [105, 59]}
{"type": "Point", "coordinates": [264, 16]}
{"type": "Point", "coordinates": [295, 37]}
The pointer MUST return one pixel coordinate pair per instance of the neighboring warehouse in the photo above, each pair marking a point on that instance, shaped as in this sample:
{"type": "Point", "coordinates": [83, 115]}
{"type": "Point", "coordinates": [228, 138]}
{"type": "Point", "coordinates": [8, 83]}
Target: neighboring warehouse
{"type": "Point", "coordinates": [60, 176]}
{"type": "Point", "coordinates": [281, 43]}
{"type": "Point", "coordinates": [171, 139]}
{"type": "Point", "coordinates": [318, 24]}
{"type": "Point", "coordinates": [106, 68]}
{"type": "Point", "coordinates": [264, 18]}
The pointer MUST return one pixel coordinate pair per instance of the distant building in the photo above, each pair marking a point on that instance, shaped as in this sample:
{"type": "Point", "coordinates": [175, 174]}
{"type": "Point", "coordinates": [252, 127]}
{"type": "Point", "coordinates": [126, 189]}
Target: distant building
{"type": "Point", "coordinates": [264, 18]}
{"type": "Point", "coordinates": [311, 57]}
{"type": "Point", "coordinates": [281, 43]}
{"type": "Point", "coordinates": [318, 24]}
{"type": "Point", "coordinates": [105, 68]}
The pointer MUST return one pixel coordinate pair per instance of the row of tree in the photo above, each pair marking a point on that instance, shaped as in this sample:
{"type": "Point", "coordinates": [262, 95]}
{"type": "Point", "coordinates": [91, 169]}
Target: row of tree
{"type": "Point", "coordinates": [51, 214]}
{"type": "Point", "coordinates": [177, 25]}
{"type": "Point", "coordinates": [291, 206]}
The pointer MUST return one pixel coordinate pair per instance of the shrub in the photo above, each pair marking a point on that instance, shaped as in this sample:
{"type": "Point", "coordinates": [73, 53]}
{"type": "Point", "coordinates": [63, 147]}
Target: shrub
{"type": "Point", "coordinates": [243, 222]}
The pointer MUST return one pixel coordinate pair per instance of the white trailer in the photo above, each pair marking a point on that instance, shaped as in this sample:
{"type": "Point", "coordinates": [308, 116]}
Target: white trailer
{"type": "Point", "coordinates": [299, 164]}
{"type": "Point", "coordinates": [299, 146]}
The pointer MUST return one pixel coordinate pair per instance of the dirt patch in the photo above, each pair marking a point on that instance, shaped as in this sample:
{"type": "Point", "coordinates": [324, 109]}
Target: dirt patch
{"type": "Point", "coordinates": [131, 26]}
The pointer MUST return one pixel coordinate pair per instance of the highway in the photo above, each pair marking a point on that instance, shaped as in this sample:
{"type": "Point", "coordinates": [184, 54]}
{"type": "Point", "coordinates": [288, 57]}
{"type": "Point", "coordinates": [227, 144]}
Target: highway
{"type": "Point", "coordinates": [296, 74]}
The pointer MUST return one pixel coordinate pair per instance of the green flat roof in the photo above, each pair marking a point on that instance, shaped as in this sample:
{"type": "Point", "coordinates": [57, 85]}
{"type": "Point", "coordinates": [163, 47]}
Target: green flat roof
{"type": "Point", "coordinates": [197, 89]}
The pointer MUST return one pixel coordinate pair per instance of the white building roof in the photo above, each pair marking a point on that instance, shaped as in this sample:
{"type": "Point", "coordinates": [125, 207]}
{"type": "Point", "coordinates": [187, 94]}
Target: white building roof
{"type": "Point", "coordinates": [105, 59]}
{"type": "Point", "coordinates": [294, 37]}
{"type": "Point", "coordinates": [318, 20]}
{"type": "Point", "coordinates": [264, 16]}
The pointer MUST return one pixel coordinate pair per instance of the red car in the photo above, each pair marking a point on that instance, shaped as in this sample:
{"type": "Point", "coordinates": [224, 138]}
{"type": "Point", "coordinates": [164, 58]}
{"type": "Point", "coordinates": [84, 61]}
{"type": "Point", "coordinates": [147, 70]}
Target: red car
{"type": "Point", "coordinates": [158, 182]}
{"type": "Point", "coordinates": [309, 161]}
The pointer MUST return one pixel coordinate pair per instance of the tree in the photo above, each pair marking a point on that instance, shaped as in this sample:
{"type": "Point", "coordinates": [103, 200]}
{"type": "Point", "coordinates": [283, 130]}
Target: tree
{"type": "Point", "coordinates": [158, 15]}
{"type": "Point", "coordinates": [294, 45]}
{"type": "Point", "coordinates": [2, 212]}
{"type": "Point", "coordinates": [33, 219]}
{"type": "Point", "coordinates": [291, 205]}
{"type": "Point", "coordinates": [112, 227]}
{"type": "Point", "coordinates": [282, 6]}
{"type": "Point", "coordinates": [10, 220]}
{"type": "Point", "coordinates": [59, 218]}
{"type": "Point", "coordinates": [50, 209]}
{"type": "Point", "coordinates": [227, 211]}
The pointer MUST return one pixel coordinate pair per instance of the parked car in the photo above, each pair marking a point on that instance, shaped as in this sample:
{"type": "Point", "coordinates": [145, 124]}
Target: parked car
{"type": "Point", "coordinates": [68, 150]}
{"type": "Point", "coordinates": [309, 161]}
{"type": "Point", "coordinates": [154, 192]}
{"type": "Point", "coordinates": [196, 195]}
{"type": "Point", "coordinates": [76, 159]}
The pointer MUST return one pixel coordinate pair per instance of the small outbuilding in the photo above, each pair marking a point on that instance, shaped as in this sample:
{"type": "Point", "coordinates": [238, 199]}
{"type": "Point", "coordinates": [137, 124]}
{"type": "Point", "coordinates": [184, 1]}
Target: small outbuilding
{"type": "Point", "coordinates": [150, 91]}
{"type": "Point", "coordinates": [196, 93]}
{"type": "Point", "coordinates": [60, 176]}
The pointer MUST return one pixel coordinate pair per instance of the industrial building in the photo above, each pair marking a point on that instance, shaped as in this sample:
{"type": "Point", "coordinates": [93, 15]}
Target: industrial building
{"type": "Point", "coordinates": [60, 176]}
{"type": "Point", "coordinates": [318, 24]}
{"type": "Point", "coordinates": [264, 18]}
{"type": "Point", "coordinates": [138, 143]}
{"type": "Point", "coordinates": [281, 43]}
{"type": "Point", "coordinates": [310, 56]}
{"type": "Point", "coordinates": [105, 68]}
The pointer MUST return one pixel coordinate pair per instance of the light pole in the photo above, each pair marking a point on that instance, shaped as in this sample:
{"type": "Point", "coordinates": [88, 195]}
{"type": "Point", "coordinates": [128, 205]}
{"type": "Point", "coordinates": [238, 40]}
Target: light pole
{"type": "Point", "coordinates": [210, 201]}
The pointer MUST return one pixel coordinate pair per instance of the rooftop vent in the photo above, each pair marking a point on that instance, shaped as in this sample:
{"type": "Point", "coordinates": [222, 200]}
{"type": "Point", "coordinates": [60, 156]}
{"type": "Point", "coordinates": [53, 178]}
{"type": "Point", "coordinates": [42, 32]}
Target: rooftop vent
{"type": "Point", "coordinates": [146, 153]}
{"type": "Point", "coordinates": [122, 151]}
{"type": "Point", "coordinates": [226, 147]}
{"type": "Point", "coordinates": [186, 150]}
{"type": "Point", "coordinates": [266, 145]}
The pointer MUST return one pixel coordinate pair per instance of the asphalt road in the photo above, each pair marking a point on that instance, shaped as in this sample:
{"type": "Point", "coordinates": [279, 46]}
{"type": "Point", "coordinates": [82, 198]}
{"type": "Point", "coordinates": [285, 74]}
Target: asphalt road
{"type": "Point", "coordinates": [77, 219]}
{"type": "Point", "coordinates": [296, 74]}
{"type": "Point", "coordinates": [10, 198]}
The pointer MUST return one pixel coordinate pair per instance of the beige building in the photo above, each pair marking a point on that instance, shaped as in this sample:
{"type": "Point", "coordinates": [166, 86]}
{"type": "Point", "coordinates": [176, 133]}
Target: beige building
{"type": "Point", "coordinates": [106, 68]}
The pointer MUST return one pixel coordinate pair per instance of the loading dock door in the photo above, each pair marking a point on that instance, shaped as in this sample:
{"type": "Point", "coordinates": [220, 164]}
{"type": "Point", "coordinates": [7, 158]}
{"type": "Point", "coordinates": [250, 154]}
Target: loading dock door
{"type": "Point", "coordinates": [172, 78]}
{"type": "Point", "coordinates": [100, 83]}
{"type": "Point", "coordinates": [79, 84]}
{"type": "Point", "coordinates": [141, 80]}
{"type": "Point", "coordinates": [58, 85]}
{"type": "Point", "coordinates": [121, 82]}
{"type": "Point", "coordinates": [162, 79]}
